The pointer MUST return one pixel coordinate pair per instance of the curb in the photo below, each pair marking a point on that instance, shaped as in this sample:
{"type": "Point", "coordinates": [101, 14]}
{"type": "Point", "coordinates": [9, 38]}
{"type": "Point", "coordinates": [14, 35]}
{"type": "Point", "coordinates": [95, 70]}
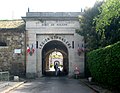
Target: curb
{"type": "Point", "coordinates": [97, 90]}
{"type": "Point", "coordinates": [90, 86]}
{"type": "Point", "coordinates": [13, 87]}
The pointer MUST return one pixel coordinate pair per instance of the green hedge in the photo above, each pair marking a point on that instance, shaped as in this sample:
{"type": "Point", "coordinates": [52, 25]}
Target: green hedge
{"type": "Point", "coordinates": [104, 65]}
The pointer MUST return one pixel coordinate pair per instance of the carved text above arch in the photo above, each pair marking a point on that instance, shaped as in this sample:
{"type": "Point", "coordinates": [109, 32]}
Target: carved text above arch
{"type": "Point", "coordinates": [55, 37]}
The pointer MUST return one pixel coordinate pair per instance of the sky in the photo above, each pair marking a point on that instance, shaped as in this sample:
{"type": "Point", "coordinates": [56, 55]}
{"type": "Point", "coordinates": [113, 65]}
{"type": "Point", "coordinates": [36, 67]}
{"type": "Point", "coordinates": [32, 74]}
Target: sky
{"type": "Point", "coordinates": [15, 9]}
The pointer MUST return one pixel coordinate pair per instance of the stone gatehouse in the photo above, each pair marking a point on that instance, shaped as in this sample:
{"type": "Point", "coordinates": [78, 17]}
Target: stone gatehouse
{"type": "Point", "coordinates": [39, 41]}
{"type": "Point", "coordinates": [51, 37]}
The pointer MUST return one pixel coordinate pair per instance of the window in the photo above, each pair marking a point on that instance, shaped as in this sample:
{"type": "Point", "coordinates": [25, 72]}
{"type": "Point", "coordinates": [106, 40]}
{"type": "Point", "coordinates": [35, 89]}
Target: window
{"type": "Point", "coordinates": [36, 44]}
{"type": "Point", "coordinates": [73, 44]}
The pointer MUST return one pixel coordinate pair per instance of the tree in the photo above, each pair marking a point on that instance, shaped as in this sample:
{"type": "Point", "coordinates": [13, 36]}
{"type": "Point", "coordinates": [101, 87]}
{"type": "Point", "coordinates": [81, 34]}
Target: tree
{"type": "Point", "coordinates": [112, 32]}
{"type": "Point", "coordinates": [109, 13]}
{"type": "Point", "coordinates": [87, 27]}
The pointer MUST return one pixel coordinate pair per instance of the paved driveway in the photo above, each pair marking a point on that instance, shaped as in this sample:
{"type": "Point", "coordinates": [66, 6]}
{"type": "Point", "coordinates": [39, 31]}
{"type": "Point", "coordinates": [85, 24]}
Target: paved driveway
{"type": "Point", "coordinates": [53, 85]}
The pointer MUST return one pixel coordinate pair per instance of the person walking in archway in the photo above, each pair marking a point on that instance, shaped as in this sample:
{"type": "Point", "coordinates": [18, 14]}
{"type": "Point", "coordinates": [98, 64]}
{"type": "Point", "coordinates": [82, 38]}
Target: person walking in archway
{"type": "Point", "coordinates": [56, 68]}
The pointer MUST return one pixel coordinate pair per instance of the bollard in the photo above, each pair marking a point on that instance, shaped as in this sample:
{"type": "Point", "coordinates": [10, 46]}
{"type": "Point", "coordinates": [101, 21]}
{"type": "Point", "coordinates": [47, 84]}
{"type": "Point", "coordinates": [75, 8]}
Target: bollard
{"type": "Point", "coordinates": [16, 78]}
{"type": "Point", "coordinates": [89, 79]}
{"type": "Point", "coordinates": [76, 73]}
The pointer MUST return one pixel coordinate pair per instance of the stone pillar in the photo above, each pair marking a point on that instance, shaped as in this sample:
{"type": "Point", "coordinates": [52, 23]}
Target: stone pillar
{"type": "Point", "coordinates": [71, 62]}
{"type": "Point", "coordinates": [31, 56]}
{"type": "Point", "coordinates": [39, 62]}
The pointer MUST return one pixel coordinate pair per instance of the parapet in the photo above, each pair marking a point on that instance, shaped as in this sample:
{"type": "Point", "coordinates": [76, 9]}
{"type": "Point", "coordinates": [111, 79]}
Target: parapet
{"type": "Point", "coordinates": [53, 14]}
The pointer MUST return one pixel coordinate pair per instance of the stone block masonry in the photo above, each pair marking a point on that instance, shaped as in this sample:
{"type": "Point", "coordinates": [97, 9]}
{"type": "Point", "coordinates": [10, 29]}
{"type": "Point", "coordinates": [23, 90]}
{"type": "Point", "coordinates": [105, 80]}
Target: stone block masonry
{"type": "Point", "coordinates": [49, 31]}
{"type": "Point", "coordinates": [12, 53]}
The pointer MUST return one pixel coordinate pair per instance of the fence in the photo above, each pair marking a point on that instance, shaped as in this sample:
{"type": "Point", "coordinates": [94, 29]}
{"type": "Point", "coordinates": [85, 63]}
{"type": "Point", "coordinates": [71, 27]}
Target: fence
{"type": "Point", "coordinates": [4, 76]}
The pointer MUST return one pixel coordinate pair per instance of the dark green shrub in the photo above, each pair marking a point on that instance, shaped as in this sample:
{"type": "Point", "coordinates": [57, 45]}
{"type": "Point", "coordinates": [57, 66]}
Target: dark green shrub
{"type": "Point", "coordinates": [104, 65]}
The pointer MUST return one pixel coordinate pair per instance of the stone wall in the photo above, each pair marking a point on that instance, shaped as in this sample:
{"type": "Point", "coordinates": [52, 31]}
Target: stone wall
{"type": "Point", "coordinates": [12, 56]}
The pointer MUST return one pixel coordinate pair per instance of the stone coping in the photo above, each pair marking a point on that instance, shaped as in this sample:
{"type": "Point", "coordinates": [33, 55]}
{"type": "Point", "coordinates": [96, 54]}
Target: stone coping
{"type": "Point", "coordinates": [11, 23]}
{"type": "Point", "coordinates": [53, 14]}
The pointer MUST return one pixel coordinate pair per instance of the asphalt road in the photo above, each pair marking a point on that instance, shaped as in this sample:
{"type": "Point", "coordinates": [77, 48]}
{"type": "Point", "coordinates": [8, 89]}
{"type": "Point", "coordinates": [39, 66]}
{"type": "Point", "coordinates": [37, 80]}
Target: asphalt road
{"type": "Point", "coordinates": [53, 85]}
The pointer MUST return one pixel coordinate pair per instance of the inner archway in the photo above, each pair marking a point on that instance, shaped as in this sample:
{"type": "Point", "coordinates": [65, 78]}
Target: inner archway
{"type": "Point", "coordinates": [55, 57]}
{"type": "Point", "coordinates": [55, 51]}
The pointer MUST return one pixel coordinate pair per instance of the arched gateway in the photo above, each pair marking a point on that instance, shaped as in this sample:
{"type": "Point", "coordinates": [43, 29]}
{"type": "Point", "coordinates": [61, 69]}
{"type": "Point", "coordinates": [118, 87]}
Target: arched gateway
{"type": "Point", "coordinates": [51, 38]}
{"type": "Point", "coordinates": [54, 51]}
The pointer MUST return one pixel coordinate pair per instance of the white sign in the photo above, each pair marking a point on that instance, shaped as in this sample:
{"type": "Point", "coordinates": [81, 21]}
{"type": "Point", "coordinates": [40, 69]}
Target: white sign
{"type": "Point", "coordinates": [17, 51]}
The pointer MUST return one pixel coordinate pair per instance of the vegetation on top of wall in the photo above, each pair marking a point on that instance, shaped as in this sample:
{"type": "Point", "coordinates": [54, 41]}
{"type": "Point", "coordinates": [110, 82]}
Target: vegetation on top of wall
{"type": "Point", "coordinates": [104, 65]}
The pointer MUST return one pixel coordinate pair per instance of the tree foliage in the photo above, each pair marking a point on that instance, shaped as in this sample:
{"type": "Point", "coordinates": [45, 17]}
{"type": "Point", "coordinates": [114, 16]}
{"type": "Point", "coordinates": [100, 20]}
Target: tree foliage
{"type": "Point", "coordinates": [87, 27]}
{"type": "Point", "coordinates": [109, 11]}
{"type": "Point", "coordinates": [100, 25]}
{"type": "Point", "coordinates": [112, 32]}
{"type": "Point", "coordinates": [108, 22]}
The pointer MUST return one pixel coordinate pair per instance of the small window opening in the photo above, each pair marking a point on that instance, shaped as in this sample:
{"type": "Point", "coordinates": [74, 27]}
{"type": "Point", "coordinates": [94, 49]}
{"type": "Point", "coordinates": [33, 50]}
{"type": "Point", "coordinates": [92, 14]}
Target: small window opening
{"type": "Point", "coordinates": [73, 44]}
{"type": "Point", "coordinates": [3, 44]}
{"type": "Point", "coordinates": [36, 44]}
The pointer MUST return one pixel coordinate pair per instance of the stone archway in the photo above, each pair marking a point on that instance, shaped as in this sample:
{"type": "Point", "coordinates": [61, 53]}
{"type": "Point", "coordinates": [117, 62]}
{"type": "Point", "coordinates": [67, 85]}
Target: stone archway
{"type": "Point", "coordinates": [49, 48]}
